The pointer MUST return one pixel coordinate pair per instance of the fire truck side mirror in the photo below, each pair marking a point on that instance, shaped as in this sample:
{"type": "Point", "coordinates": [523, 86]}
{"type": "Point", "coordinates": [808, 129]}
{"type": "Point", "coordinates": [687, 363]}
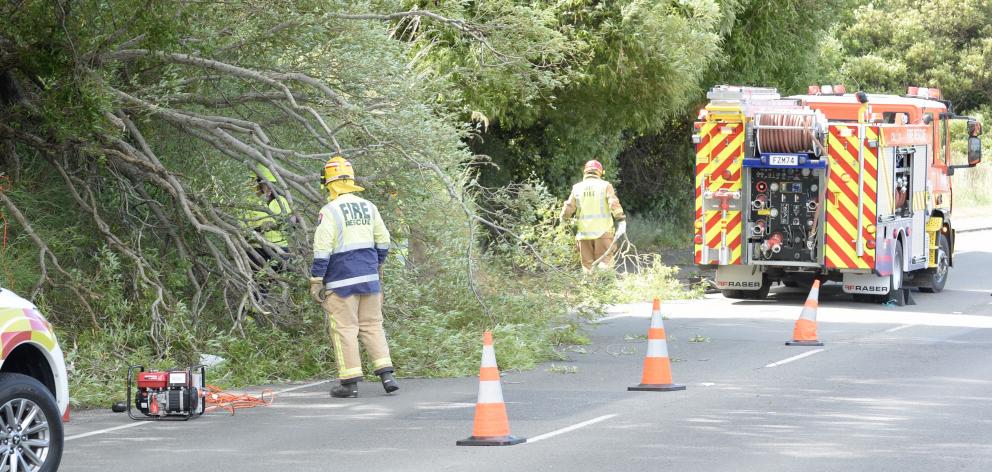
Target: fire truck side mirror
{"type": "Point", "coordinates": [974, 129]}
{"type": "Point", "coordinates": [974, 151]}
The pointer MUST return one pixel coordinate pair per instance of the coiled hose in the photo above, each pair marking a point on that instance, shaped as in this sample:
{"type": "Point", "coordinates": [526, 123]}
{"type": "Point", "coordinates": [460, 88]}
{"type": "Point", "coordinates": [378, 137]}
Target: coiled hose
{"type": "Point", "coordinates": [799, 138]}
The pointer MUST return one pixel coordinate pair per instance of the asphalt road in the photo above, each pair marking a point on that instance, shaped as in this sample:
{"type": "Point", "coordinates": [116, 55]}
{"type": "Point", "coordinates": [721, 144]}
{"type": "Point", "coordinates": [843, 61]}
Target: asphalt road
{"type": "Point", "coordinates": [893, 389]}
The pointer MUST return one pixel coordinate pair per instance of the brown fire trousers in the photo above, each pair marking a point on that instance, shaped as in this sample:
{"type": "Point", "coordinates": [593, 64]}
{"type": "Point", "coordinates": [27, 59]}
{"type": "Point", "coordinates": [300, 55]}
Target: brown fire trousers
{"type": "Point", "coordinates": [352, 318]}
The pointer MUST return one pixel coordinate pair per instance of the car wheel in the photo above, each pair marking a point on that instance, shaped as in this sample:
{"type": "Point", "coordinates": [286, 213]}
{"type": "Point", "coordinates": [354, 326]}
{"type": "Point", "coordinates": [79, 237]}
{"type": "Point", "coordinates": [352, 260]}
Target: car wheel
{"type": "Point", "coordinates": [933, 280]}
{"type": "Point", "coordinates": [32, 436]}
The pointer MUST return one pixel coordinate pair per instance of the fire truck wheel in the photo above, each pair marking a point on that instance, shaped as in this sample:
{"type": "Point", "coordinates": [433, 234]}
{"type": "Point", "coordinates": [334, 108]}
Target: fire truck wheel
{"type": "Point", "coordinates": [732, 293]}
{"type": "Point", "coordinates": [933, 280]}
{"type": "Point", "coordinates": [33, 435]}
{"type": "Point", "coordinates": [898, 277]}
{"type": "Point", "coordinates": [896, 281]}
{"type": "Point", "coordinates": [761, 293]}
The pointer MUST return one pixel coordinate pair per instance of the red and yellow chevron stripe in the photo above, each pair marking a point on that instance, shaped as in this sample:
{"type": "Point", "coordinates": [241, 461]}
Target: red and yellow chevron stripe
{"type": "Point", "coordinates": [843, 146]}
{"type": "Point", "coordinates": [18, 325]}
{"type": "Point", "coordinates": [718, 166]}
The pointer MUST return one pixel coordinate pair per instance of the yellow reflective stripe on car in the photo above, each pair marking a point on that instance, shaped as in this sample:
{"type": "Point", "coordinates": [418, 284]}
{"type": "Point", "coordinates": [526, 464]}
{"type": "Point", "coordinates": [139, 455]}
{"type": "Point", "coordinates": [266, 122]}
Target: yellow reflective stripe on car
{"type": "Point", "coordinates": [44, 338]}
{"type": "Point", "coordinates": [18, 320]}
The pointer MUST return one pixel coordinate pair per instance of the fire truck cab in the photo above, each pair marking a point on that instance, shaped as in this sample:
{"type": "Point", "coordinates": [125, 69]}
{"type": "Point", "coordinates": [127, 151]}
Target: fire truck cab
{"type": "Point", "coordinates": [853, 188]}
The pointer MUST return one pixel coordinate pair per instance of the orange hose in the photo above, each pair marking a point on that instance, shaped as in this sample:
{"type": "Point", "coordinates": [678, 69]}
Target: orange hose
{"type": "Point", "coordinates": [794, 140]}
{"type": "Point", "coordinates": [216, 398]}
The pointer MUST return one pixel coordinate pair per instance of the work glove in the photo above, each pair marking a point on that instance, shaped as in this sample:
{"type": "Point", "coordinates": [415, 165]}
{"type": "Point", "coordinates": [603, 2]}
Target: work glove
{"type": "Point", "coordinates": [621, 228]}
{"type": "Point", "coordinates": [317, 289]}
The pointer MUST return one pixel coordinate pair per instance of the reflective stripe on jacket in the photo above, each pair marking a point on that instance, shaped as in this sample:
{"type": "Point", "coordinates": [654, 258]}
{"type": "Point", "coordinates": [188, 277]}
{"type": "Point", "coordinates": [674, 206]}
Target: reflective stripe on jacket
{"type": "Point", "coordinates": [350, 243]}
{"type": "Point", "coordinates": [595, 206]}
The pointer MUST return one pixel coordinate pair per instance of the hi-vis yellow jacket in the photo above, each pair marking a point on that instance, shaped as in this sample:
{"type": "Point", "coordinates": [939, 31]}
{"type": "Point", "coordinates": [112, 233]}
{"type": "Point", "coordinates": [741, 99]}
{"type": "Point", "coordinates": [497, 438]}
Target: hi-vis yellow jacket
{"type": "Point", "coordinates": [595, 205]}
{"type": "Point", "coordinates": [265, 222]}
{"type": "Point", "coordinates": [349, 245]}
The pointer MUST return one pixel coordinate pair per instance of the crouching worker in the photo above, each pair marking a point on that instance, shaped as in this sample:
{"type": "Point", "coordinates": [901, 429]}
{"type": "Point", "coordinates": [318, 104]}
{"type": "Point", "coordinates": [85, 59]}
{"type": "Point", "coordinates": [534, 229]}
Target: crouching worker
{"type": "Point", "coordinates": [272, 225]}
{"type": "Point", "coordinates": [349, 248]}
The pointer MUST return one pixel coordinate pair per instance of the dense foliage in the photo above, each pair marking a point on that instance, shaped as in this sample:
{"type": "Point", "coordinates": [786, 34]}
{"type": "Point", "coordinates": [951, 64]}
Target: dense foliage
{"type": "Point", "coordinates": [131, 131]}
{"type": "Point", "coordinates": [615, 76]}
{"type": "Point", "coordinates": [885, 46]}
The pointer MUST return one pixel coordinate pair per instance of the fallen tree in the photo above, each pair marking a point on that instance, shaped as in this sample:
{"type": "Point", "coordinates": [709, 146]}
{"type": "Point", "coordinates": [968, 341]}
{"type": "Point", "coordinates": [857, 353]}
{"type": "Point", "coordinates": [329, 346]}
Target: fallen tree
{"type": "Point", "coordinates": [131, 135]}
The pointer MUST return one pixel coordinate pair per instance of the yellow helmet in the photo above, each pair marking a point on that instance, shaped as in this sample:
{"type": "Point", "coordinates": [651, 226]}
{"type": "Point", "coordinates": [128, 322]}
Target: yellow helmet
{"type": "Point", "coordinates": [338, 168]}
{"type": "Point", "coordinates": [339, 177]}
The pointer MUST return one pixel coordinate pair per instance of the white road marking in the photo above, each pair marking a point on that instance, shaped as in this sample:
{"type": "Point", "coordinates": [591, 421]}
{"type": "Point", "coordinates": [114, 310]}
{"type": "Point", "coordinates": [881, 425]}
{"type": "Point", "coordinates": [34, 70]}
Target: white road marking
{"type": "Point", "coordinates": [842, 312]}
{"type": "Point", "coordinates": [795, 358]}
{"type": "Point", "coordinates": [897, 328]}
{"type": "Point", "coordinates": [566, 429]}
{"type": "Point", "coordinates": [107, 430]}
{"type": "Point", "coordinates": [444, 405]}
{"type": "Point", "coordinates": [301, 387]}
{"type": "Point", "coordinates": [622, 315]}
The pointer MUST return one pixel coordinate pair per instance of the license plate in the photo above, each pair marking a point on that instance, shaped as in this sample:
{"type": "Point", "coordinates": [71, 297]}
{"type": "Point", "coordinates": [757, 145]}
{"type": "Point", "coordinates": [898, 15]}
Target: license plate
{"type": "Point", "coordinates": [783, 160]}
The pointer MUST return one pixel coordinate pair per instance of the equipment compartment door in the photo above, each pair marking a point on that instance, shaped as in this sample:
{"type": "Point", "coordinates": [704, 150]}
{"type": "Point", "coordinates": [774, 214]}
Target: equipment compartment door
{"type": "Point", "coordinates": [918, 247]}
{"type": "Point", "coordinates": [718, 187]}
{"type": "Point", "coordinates": [851, 196]}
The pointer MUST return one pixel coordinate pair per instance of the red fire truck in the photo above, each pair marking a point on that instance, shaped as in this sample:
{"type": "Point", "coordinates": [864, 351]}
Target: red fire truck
{"type": "Point", "coordinates": [849, 187]}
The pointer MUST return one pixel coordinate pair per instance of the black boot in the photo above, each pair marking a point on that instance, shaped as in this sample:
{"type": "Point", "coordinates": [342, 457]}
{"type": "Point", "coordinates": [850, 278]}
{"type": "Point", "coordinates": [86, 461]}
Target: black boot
{"type": "Point", "coordinates": [345, 390]}
{"type": "Point", "coordinates": [388, 382]}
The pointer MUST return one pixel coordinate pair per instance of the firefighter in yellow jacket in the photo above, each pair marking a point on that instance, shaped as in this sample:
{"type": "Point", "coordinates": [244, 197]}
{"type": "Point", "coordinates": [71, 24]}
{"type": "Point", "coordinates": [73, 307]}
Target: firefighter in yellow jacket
{"type": "Point", "coordinates": [350, 245]}
{"type": "Point", "coordinates": [271, 223]}
{"type": "Point", "coordinates": [595, 206]}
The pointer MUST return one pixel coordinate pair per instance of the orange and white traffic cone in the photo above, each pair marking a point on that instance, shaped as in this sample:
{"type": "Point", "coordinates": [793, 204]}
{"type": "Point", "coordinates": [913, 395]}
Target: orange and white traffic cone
{"type": "Point", "coordinates": [491, 428]}
{"type": "Point", "coordinates": [65, 416]}
{"type": "Point", "coordinates": [657, 375]}
{"type": "Point", "coordinates": [804, 334]}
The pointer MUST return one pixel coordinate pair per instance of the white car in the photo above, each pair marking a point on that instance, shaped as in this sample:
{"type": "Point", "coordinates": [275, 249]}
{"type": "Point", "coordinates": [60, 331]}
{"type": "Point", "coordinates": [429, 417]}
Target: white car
{"type": "Point", "coordinates": [34, 388]}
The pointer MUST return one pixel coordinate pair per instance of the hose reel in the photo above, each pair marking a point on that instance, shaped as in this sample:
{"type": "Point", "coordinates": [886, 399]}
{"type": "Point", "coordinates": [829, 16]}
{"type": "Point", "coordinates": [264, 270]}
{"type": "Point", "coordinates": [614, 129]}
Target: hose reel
{"type": "Point", "coordinates": [791, 132]}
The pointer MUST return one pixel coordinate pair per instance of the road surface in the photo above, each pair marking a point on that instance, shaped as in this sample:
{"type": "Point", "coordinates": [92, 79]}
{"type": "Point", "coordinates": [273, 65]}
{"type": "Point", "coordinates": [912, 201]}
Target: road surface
{"type": "Point", "coordinates": [893, 389]}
